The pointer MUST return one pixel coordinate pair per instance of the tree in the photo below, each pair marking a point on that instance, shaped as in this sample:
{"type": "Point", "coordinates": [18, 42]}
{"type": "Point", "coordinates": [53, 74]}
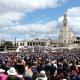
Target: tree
{"type": "Point", "coordinates": [8, 44]}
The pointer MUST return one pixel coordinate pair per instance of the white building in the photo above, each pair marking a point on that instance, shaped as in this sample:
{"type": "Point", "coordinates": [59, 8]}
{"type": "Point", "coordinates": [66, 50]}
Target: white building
{"type": "Point", "coordinates": [66, 38]}
{"type": "Point", "coordinates": [65, 33]}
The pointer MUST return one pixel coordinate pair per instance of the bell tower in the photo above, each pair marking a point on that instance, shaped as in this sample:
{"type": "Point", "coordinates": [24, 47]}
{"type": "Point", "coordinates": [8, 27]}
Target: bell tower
{"type": "Point", "coordinates": [65, 21]}
{"type": "Point", "coordinates": [64, 31]}
{"type": "Point", "coordinates": [65, 34]}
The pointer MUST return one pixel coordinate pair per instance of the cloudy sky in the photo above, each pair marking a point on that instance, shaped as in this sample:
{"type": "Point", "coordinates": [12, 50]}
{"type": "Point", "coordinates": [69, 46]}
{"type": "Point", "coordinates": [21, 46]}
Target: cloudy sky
{"type": "Point", "coordinates": [31, 19]}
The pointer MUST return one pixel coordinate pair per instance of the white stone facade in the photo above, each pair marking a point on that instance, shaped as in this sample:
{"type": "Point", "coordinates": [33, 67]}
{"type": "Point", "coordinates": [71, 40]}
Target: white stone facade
{"type": "Point", "coordinates": [66, 38]}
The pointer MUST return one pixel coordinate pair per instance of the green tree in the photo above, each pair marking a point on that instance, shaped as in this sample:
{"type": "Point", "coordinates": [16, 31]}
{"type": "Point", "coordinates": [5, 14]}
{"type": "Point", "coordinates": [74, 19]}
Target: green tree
{"type": "Point", "coordinates": [8, 44]}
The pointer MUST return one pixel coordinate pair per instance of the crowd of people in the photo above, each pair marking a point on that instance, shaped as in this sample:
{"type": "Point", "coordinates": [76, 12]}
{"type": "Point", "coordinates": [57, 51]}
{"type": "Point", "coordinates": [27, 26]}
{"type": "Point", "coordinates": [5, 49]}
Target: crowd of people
{"type": "Point", "coordinates": [47, 64]}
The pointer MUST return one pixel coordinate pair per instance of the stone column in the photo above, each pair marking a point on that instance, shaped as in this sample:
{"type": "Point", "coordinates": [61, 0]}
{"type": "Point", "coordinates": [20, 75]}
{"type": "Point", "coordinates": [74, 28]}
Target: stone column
{"type": "Point", "coordinates": [32, 43]}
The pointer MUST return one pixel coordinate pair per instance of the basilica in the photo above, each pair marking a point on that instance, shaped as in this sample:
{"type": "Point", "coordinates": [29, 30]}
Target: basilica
{"type": "Point", "coordinates": [66, 38]}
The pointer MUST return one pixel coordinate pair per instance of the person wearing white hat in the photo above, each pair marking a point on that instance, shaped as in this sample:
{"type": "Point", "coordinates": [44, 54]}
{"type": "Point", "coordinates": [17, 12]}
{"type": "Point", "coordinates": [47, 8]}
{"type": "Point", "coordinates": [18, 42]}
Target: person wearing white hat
{"type": "Point", "coordinates": [12, 71]}
{"type": "Point", "coordinates": [42, 76]}
{"type": "Point", "coordinates": [13, 74]}
{"type": "Point", "coordinates": [3, 76]}
{"type": "Point", "coordinates": [2, 71]}
{"type": "Point", "coordinates": [42, 72]}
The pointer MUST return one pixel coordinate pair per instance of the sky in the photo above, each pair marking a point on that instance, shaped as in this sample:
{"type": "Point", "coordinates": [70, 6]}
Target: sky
{"type": "Point", "coordinates": [42, 19]}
